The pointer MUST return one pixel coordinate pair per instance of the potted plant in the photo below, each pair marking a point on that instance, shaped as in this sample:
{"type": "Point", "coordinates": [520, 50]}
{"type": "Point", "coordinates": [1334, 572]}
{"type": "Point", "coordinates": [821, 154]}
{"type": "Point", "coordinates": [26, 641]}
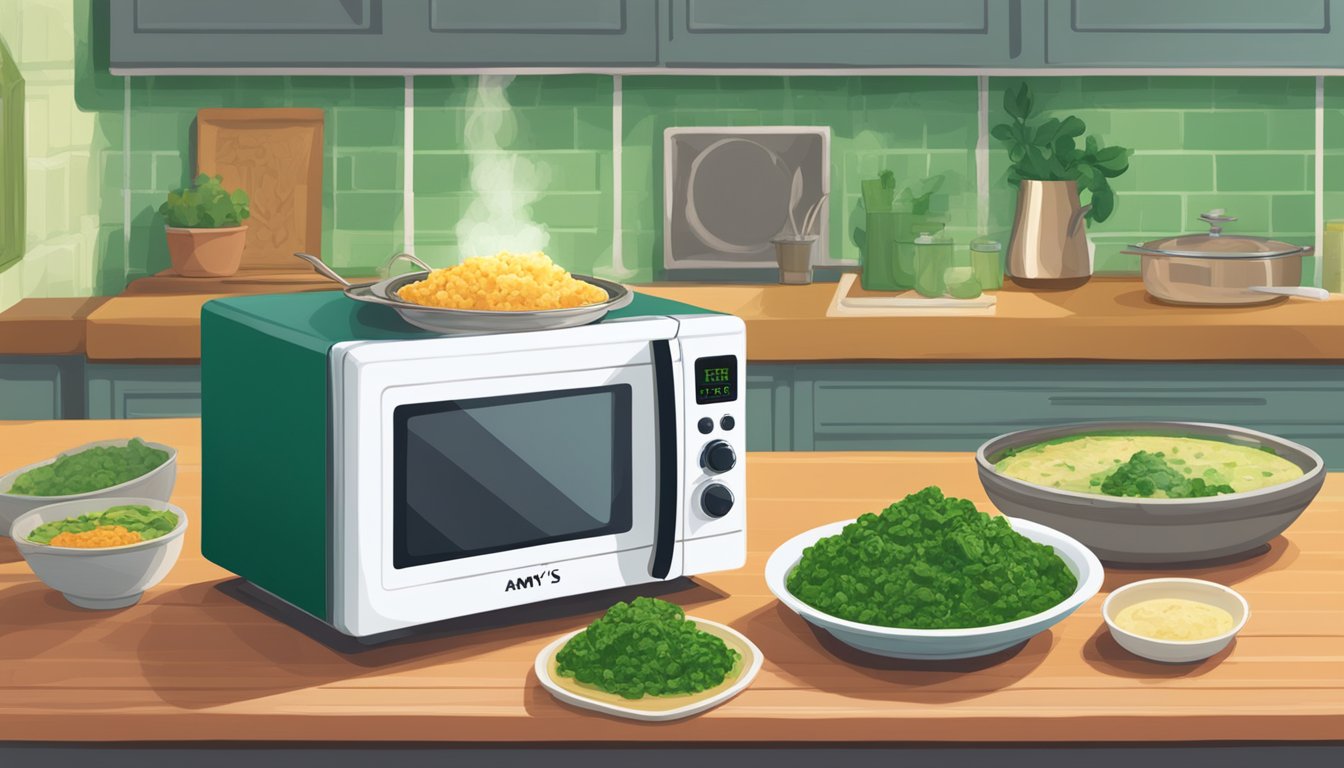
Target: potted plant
{"type": "Point", "coordinates": [1049, 242]}
{"type": "Point", "coordinates": [205, 228]}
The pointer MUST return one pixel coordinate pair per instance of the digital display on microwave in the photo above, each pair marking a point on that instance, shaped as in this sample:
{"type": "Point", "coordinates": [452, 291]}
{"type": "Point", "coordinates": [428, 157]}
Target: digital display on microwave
{"type": "Point", "coordinates": [490, 474]}
{"type": "Point", "coordinates": [716, 379]}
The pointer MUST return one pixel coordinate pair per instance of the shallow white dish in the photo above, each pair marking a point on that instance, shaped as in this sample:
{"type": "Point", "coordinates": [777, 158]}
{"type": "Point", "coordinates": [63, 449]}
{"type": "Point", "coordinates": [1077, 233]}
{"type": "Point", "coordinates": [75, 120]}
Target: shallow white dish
{"type": "Point", "coordinates": [1175, 651]}
{"type": "Point", "coordinates": [154, 484]}
{"type": "Point", "coordinates": [938, 644]}
{"type": "Point", "coordinates": [751, 665]}
{"type": "Point", "coordinates": [106, 577]}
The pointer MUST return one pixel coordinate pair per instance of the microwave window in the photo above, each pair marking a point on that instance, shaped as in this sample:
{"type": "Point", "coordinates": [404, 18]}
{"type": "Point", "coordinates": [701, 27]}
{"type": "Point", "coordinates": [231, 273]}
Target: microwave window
{"type": "Point", "coordinates": [486, 475]}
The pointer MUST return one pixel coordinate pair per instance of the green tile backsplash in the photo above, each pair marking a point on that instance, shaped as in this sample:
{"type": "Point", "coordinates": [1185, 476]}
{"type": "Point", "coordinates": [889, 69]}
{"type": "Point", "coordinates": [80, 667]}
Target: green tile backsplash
{"type": "Point", "coordinates": [559, 125]}
{"type": "Point", "coordinates": [1240, 143]}
{"type": "Point", "coordinates": [915, 126]}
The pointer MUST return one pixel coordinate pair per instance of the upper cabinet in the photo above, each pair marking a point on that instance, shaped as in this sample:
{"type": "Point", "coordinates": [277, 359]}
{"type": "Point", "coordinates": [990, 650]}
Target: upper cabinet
{"type": "Point", "coordinates": [239, 34]}
{"type": "Point", "coordinates": [1195, 33]}
{"type": "Point", "coordinates": [841, 33]}
{"type": "Point", "coordinates": [154, 35]}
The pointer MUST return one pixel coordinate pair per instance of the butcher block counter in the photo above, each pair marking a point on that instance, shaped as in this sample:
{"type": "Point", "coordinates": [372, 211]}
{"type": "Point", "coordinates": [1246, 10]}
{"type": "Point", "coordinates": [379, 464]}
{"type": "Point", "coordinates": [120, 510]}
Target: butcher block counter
{"type": "Point", "coordinates": [200, 659]}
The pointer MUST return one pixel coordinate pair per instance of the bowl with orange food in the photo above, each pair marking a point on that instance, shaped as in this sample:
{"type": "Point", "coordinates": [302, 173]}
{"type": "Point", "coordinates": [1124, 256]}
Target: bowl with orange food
{"type": "Point", "coordinates": [101, 553]}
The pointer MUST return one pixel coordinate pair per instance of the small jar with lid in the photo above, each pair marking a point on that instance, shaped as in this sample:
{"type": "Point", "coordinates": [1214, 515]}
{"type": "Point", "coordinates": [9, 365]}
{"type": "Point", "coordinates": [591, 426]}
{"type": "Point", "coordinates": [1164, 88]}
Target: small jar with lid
{"type": "Point", "coordinates": [932, 258]}
{"type": "Point", "coordinates": [987, 262]}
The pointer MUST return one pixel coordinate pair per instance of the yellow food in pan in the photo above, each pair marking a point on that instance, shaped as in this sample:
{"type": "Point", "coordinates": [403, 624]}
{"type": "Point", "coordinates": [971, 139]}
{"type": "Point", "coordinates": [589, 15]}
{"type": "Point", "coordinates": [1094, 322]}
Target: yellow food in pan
{"type": "Point", "coordinates": [507, 281]}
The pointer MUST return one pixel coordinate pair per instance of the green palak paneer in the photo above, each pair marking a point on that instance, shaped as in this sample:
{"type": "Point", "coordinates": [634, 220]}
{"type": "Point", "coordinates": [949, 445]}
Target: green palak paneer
{"type": "Point", "coordinates": [930, 562]}
{"type": "Point", "coordinates": [92, 469]}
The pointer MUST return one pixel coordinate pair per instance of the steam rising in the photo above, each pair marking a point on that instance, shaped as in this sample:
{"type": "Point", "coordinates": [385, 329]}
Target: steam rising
{"type": "Point", "coordinates": [504, 184]}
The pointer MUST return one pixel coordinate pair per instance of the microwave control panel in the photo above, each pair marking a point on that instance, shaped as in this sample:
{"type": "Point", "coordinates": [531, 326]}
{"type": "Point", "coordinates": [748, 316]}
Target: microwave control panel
{"type": "Point", "coordinates": [714, 362]}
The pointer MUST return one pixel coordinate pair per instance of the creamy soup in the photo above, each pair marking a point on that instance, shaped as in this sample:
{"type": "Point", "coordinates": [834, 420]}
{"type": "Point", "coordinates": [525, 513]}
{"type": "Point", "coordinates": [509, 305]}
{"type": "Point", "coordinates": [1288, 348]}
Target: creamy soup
{"type": "Point", "coordinates": [1172, 618]}
{"type": "Point", "coordinates": [1081, 464]}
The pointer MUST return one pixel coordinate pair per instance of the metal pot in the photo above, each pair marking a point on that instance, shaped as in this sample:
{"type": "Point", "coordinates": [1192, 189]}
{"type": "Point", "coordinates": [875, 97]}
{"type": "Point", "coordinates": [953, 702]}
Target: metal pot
{"type": "Point", "coordinates": [1214, 268]}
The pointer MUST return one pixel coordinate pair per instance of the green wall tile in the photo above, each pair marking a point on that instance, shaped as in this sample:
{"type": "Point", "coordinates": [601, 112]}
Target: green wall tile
{"type": "Point", "coordinates": [1261, 173]}
{"type": "Point", "coordinates": [358, 127]}
{"type": "Point", "coordinates": [1226, 130]}
{"type": "Point", "coordinates": [1293, 213]}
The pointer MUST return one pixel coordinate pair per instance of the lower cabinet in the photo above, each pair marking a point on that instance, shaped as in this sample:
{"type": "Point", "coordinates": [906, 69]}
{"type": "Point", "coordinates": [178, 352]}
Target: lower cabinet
{"type": "Point", "coordinates": [41, 387]}
{"type": "Point", "coordinates": [117, 391]}
{"type": "Point", "coordinates": [958, 406]}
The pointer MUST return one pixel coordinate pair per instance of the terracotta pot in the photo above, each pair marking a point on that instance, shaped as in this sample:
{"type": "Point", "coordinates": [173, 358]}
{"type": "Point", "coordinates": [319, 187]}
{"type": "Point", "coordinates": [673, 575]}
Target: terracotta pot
{"type": "Point", "coordinates": [201, 252]}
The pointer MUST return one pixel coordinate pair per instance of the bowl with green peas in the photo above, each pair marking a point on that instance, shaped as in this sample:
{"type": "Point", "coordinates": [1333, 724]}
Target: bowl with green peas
{"type": "Point", "coordinates": [125, 467]}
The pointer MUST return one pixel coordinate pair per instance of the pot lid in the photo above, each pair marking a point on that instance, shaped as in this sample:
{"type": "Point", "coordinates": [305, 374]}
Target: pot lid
{"type": "Point", "coordinates": [1215, 244]}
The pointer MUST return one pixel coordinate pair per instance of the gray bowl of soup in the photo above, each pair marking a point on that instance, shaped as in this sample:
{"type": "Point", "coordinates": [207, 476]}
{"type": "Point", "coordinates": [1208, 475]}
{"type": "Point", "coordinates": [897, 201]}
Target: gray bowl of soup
{"type": "Point", "coordinates": [1258, 485]}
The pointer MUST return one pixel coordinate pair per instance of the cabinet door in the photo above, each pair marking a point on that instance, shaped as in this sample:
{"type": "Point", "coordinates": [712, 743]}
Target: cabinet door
{"type": "Point", "coordinates": [172, 34]}
{"type": "Point", "coordinates": [540, 33]}
{"type": "Point", "coordinates": [842, 33]}
{"type": "Point", "coordinates": [175, 34]}
{"type": "Point", "coordinates": [958, 406]}
{"type": "Point", "coordinates": [1214, 33]}
{"type": "Point", "coordinates": [134, 391]}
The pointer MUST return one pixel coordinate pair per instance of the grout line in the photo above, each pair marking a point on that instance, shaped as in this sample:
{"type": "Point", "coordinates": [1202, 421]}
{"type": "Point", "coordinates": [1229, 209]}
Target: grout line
{"type": "Point", "coordinates": [408, 169]}
{"type": "Point", "coordinates": [982, 155]}
{"type": "Point", "coordinates": [618, 268]}
{"type": "Point", "coordinates": [1318, 278]}
{"type": "Point", "coordinates": [125, 178]}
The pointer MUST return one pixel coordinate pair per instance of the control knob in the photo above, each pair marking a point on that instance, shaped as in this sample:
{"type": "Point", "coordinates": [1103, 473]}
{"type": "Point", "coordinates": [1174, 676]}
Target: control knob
{"type": "Point", "coordinates": [716, 500]}
{"type": "Point", "coordinates": [718, 457]}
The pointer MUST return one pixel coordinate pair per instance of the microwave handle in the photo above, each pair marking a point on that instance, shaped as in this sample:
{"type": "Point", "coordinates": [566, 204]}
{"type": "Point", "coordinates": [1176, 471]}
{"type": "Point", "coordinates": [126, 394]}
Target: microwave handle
{"type": "Point", "coordinates": [665, 516]}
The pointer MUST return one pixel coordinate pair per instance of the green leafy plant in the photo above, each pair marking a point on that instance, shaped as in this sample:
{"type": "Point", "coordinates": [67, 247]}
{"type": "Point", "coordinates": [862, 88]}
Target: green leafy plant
{"type": "Point", "coordinates": [205, 204]}
{"type": "Point", "coordinates": [1049, 152]}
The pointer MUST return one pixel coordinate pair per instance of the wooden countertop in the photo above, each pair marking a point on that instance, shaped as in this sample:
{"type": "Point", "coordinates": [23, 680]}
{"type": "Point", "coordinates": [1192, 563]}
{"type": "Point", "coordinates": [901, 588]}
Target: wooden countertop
{"type": "Point", "coordinates": [194, 662]}
{"type": "Point", "coordinates": [1105, 319]}
{"type": "Point", "coordinates": [158, 318]}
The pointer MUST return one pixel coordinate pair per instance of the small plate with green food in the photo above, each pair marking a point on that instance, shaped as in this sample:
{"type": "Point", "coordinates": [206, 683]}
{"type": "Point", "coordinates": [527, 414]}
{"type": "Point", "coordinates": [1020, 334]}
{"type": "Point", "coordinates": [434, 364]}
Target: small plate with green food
{"type": "Point", "coordinates": [933, 578]}
{"type": "Point", "coordinates": [101, 553]}
{"type": "Point", "coordinates": [126, 467]}
{"type": "Point", "coordinates": [1153, 493]}
{"type": "Point", "coordinates": [647, 660]}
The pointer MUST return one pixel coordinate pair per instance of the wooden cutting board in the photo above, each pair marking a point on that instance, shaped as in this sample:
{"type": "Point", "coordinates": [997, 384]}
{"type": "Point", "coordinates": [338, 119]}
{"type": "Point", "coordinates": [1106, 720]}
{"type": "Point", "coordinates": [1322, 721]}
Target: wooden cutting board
{"type": "Point", "coordinates": [851, 300]}
{"type": "Point", "coordinates": [276, 156]}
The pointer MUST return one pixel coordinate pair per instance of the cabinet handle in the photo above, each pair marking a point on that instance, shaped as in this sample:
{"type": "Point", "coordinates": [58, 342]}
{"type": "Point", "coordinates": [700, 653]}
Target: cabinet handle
{"type": "Point", "coordinates": [1103, 400]}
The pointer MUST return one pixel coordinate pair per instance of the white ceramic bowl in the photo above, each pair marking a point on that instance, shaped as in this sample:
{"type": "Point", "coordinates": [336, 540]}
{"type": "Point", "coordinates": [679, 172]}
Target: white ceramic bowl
{"type": "Point", "coordinates": [102, 578]}
{"type": "Point", "coordinates": [156, 484]}
{"type": "Point", "coordinates": [938, 644]}
{"type": "Point", "coordinates": [1175, 651]}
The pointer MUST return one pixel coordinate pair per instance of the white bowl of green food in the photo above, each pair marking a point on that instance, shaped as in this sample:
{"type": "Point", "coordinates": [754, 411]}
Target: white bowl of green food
{"type": "Point", "coordinates": [125, 467]}
{"type": "Point", "coordinates": [63, 544]}
{"type": "Point", "coordinates": [932, 578]}
{"type": "Point", "coordinates": [1153, 492]}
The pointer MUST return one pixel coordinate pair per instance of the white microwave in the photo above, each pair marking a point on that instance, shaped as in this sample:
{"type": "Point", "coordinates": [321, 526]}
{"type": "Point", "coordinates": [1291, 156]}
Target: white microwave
{"type": "Point", "coordinates": [380, 477]}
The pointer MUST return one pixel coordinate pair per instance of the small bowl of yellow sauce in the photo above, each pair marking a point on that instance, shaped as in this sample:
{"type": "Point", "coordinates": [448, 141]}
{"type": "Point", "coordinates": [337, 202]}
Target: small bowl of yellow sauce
{"type": "Point", "coordinates": [1175, 620]}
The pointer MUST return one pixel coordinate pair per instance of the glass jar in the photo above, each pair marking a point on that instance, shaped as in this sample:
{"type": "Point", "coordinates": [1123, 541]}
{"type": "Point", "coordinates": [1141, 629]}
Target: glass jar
{"type": "Point", "coordinates": [959, 278]}
{"type": "Point", "coordinates": [932, 258]}
{"type": "Point", "coordinates": [887, 263]}
{"type": "Point", "coordinates": [987, 262]}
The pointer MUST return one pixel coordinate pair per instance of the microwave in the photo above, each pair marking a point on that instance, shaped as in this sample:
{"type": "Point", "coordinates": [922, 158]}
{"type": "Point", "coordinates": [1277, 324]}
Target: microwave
{"type": "Point", "coordinates": [380, 477]}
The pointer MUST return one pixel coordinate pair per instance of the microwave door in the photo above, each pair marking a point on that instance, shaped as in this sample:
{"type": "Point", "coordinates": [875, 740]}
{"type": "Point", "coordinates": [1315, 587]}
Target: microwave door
{"type": "Point", "coordinates": [524, 471]}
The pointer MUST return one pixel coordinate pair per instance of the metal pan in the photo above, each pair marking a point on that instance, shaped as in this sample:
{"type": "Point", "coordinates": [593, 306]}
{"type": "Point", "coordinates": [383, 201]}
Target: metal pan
{"type": "Point", "coordinates": [1222, 269]}
{"type": "Point", "coordinates": [472, 321]}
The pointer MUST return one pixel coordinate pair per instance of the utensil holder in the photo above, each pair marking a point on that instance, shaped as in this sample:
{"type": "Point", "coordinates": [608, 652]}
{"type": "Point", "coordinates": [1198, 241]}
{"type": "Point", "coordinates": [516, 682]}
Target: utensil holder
{"type": "Point", "coordinates": [794, 256]}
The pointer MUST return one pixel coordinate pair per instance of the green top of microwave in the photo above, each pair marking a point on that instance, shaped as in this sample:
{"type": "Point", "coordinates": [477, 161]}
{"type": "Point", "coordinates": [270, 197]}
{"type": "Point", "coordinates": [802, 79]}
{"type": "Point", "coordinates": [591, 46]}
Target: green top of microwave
{"type": "Point", "coordinates": [265, 488]}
